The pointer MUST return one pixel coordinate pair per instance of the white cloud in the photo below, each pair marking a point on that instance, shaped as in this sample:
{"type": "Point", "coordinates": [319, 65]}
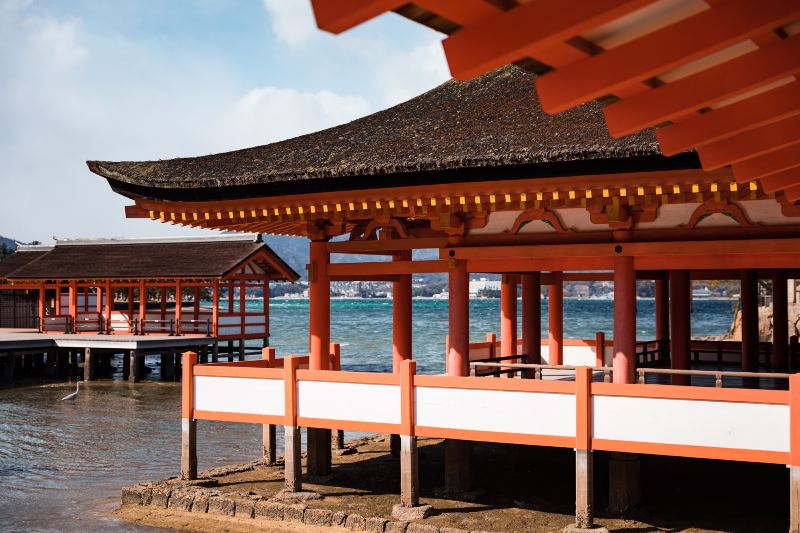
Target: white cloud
{"type": "Point", "coordinates": [292, 20]}
{"type": "Point", "coordinates": [405, 74]}
{"type": "Point", "coordinates": [56, 41]}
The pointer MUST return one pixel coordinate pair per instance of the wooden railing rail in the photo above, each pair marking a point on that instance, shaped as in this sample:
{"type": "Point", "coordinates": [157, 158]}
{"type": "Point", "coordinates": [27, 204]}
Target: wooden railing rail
{"type": "Point", "coordinates": [718, 375]}
{"type": "Point", "coordinates": [506, 368]}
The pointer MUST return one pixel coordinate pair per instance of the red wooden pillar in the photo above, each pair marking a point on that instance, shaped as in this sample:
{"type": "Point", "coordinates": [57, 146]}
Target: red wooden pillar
{"type": "Point", "coordinates": [680, 324]}
{"type": "Point", "coordinates": [662, 309]}
{"type": "Point", "coordinates": [457, 457]}
{"type": "Point", "coordinates": [624, 320]}
{"type": "Point", "coordinates": [319, 325]}
{"type": "Point", "coordinates": [230, 296]}
{"type": "Point", "coordinates": [108, 305]}
{"type": "Point", "coordinates": [532, 317]}
{"type": "Point", "coordinates": [58, 299]}
{"type": "Point", "coordinates": [265, 301]}
{"type": "Point", "coordinates": [401, 316]}
{"type": "Point", "coordinates": [215, 309]}
{"type": "Point", "coordinates": [555, 308]}
{"type": "Point", "coordinates": [42, 304]}
{"type": "Point", "coordinates": [178, 305]}
{"type": "Point", "coordinates": [749, 292]}
{"type": "Point", "coordinates": [98, 300]}
{"type": "Point", "coordinates": [163, 302]}
{"type": "Point", "coordinates": [142, 305]}
{"type": "Point", "coordinates": [508, 316]}
{"type": "Point", "coordinates": [197, 303]}
{"type": "Point", "coordinates": [130, 307]}
{"type": "Point", "coordinates": [73, 303]}
{"type": "Point", "coordinates": [780, 322]}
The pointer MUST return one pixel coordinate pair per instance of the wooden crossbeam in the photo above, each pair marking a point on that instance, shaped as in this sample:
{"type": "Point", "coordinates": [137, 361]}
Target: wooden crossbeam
{"type": "Point", "coordinates": [382, 268]}
{"type": "Point", "coordinates": [717, 28]}
{"type": "Point", "coordinates": [770, 106]}
{"type": "Point", "coordinates": [767, 164]}
{"type": "Point", "coordinates": [526, 30]}
{"type": "Point", "coordinates": [752, 143]}
{"type": "Point", "coordinates": [793, 193]}
{"type": "Point", "coordinates": [705, 88]}
{"type": "Point", "coordinates": [781, 180]}
{"type": "Point", "coordinates": [462, 12]}
{"type": "Point", "coordinates": [337, 16]}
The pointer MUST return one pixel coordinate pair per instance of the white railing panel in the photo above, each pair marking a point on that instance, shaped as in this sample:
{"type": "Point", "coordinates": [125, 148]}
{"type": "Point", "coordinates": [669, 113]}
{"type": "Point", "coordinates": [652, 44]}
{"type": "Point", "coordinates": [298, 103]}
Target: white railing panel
{"type": "Point", "coordinates": [357, 402]}
{"type": "Point", "coordinates": [529, 413]}
{"type": "Point", "coordinates": [239, 395]}
{"type": "Point", "coordinates": [750, 426]}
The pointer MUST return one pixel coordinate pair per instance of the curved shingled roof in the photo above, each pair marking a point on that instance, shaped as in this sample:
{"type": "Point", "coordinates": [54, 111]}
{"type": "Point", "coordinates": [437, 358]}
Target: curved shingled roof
{"type": "Point", "coordinates": [488, 122]}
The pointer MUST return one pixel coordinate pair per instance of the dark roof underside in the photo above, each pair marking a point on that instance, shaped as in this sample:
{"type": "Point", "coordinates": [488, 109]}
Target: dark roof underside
{"type": "Point", "coordinates": [143, 260]}
{"type": "Point", "coordinates": [18, 260]}
{"type": "Point", "coordinates": [452, 133]}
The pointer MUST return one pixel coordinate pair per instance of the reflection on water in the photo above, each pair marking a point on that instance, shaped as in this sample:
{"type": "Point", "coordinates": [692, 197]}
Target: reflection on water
{"type": "Point", "coordinates": [62, 463]}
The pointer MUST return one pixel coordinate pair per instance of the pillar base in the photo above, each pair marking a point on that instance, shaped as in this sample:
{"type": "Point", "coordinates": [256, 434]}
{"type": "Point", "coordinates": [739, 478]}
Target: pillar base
{"type": "Point", "coordinates": [457, 466]}
{"type": "Point", "coordinates": [269, 444]}
{"type": "Point", "coordinates": [188, 449]}
{"type": "Point", "coordinates": [624, 476]}
{"type": "Point", "coordinates": [319, 452]}
{"type": "Point", "coordinates": [291, 456]}
{"type": "Point", "coordinates": [573, 528]}
{"type": "Point", "coordinates": [407, 514]}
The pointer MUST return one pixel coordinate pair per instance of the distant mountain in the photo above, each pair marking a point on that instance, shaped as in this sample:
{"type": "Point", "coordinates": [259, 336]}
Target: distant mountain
{"type": "Point", "coordinates": [294, 250]}
{"type": "Point", "coordinates": [7, 245]}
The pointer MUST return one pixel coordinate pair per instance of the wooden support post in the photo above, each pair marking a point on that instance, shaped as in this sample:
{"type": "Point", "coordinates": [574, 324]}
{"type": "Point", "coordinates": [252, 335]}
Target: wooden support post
{"type": "Point", "coordinates": [780, 322]}
{"type": "Point", "coordinates": [40, 325]}
{"type": "Point", "coordinates": [624, 320]}
{"type": "Point", "coordinates": [555, 309]}
{"type": "Point", "coordinates": [749, 292]}
{"type": "Point", "coordinates": [142, 306]}
{"type": "Point", "coordinates": [584, 468]}
{"type": "Point", "coordinates": [215, 351]}
{"type": "Point", "coordinates": [265, 300]}
{"type": "Point", "coordinates": [89, 365]}
{"type": "Point", "coordinates": [319, 295]}
{"type": "Point", "coordinates": [73, 304]}
{"type": "Point", "coordinates": [401, 330]}
{"type": "Point", "coordinates": [134, 372]}
{"type": "Point", "coordinates": [532, 317]}
{"type": "Point", "coordinates": [130, 310]}
{"type": "Point", "coordinates": [508, 317]}
{"type": "Point", "coordinates": [178, 307]}
{"type": "Point", "coordinates": [196, 302]}
{"type": "Point", "coordinates": [162, 296]}
{"type": "Point", "coordinates": [600, 349]}
{"type": "Point", "coordinates": [409, 467]}
{"type": "Point", "coordinates": [291, 453]}
{"type": "Point", "coordinates": [457, 461]}
{"type": "Point", "coordinates": [662, 318]}
{"type": "Point", "coordinates": [268, 434]}
{"type": "Point", "coordinates": [109, 306]}
{"type": "Point", "coordinates": [794, 453]}
{"type": "Point", "coordinates": [188, 423]}
{"type": "Point", "coordinates": [680, 324]}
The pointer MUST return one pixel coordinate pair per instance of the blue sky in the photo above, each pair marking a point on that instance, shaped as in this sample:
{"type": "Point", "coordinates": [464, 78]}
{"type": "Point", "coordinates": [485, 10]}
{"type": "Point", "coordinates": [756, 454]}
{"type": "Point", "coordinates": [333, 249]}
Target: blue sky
{"type": "Point", "coordinates": [149, 79]}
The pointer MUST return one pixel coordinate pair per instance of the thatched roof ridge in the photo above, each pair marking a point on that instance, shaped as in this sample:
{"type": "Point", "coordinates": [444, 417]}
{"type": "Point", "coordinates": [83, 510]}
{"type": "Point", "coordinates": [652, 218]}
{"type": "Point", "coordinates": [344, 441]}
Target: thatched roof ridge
{"type": "Point", "coordinates": [491, 121]}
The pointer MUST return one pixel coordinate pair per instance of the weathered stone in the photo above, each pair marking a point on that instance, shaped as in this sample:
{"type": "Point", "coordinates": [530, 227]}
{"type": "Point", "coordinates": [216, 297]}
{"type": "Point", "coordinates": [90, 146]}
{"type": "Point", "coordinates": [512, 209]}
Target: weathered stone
{"type": "Point", "coordinates": [221, 505]}
{"type": "Point", "coordinates": [422, 528]}
{"type": "Point", "coordinates": [160, 496]}
{"type": "Point", "coordinates": [355, 522]}
{"type": "Point", "coordinates": [339, 518]}
{"type": "Point", "coordinates": [345, 451]}
{"type": "Point", "coordinates": [296, 496]}
{"type": "Point", "coordinates": [269, 510]}
{"type": "Point", "coordinates": [133, 494]}
{"type": "Point", "coordinates": [200, 503]}
{"type": "Point", "coordinates": [452, 530]}
{"type": "Point", "coordinates": [181, 500]}
{"type": "Point", "coordinates": [575, 529]}
{"type": "Point", "coordinates": [417, 512]}
{"type": "Point", "coordinates": [375, 525]}
{"type": "Point", "coordinates": [395, 527]}
{"type": "Point", "coordinates": [244, 507]}
{"type": "Point", "coordinates": [318, 517]}
{"type": "Point", "coordinates": [294, 513]}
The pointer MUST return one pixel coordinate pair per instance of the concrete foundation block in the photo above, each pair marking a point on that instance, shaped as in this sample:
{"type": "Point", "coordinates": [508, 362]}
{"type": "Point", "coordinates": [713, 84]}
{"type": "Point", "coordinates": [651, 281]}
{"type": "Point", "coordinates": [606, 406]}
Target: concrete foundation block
{"type": "Point", "coordinates": [575, 529]}
{"type": "Point", "coordinates": [181, 500]}
{"type": "Point", "coordinates": [245, 508]}
{"type": "Point", "coordinates": [294, 513]}
{"type": "Point", "coordinates": [338, 519]}
{"type": "Point", "coordinates": [200, 503]}
{"type": "Point", "coordinates": [318, 517]}
{"type": "Point", "coordinates": [160, 497]}
{"type": "Point", "coordinates": [375, 525]}
{"type": "Point", "coordinates": [355, 522]}
{"type": "Point", "coordinates": [395, 527]}
{"type": "Point", "coordinates": [221, 505]}
{"type": "Point", "coordinates": [417, 512]}
{"type": "Point", "coordinates": [269, 510]}
{"type": "Point", "coordinates": [422, 528]}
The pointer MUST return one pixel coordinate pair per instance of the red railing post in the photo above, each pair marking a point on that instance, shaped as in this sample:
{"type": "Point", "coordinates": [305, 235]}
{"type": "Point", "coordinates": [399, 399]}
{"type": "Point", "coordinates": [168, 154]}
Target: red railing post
{"type": "Point", "coordinates": [584, 518]}
{"type": "Point", "coordinates": [269, 442]}
{"type": "Point", "coordinates": [188, 423]}
{"type": "Point", "coordinates": [794, 453]}
{"type": "Point", "coordinates": [409, 467]}
{"type": "Point", "coordinates": [599, 349]}
{"type": "Point", "coordinates": [292, 468]}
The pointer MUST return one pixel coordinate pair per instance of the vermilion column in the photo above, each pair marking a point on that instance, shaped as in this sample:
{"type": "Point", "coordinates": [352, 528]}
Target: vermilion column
{"type": "Point", "coordinates": [749, 291]}
{"type": "Point", "coordinates": [458, 354]}
{"type": "Point", "coordinates": [680, 324]}
{"type": "Point", "coordinates": [142, 305]}
{"type": "Point", "coordinates": [508, 316]}
{"type": "Point", "coordinates": [457, 461]}
{"type": "Point", "coordinates": [42, 308]}
{"type": "Point", "coordinates": [555, 309]}
{"type": "Point", "coordinates": [780, 322]}
{"type": "Point", "coordinates": [178, 305]}
{"type": "Point", "coordinates": [624, 320]}
{"type": "Point", "coordinates": [319, 329]}
{"type": "Point", "coordinates": [401, 316]}
{"type": "Point", "coordinates": [662, 316]}
{"type": "Point", "coordinates": [532, 317]}
{"type": "Point", "coordinates": [73, 304]}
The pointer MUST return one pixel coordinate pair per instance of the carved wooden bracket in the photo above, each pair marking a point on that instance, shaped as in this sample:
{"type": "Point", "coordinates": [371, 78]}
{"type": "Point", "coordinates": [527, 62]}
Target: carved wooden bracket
{"type": "Point", "coordinates": [538, 213]}
{"type": "Point", "coordinates": [322, 230]}
{"type": "Point", "coordinates": [718, 206]}
{"type": "Point", "coordinates": [622, 217]}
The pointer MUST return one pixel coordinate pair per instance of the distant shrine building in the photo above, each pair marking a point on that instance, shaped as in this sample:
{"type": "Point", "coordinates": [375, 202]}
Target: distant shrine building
{"type": "Point", "coordinates": [477, 171]}
{"type": "Point", "coordinates": [168, 286]}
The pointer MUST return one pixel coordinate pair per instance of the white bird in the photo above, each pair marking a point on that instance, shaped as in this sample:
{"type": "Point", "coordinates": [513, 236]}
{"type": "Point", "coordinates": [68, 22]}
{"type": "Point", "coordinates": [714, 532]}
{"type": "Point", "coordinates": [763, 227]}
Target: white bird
{"type": "Point", "coordinates": [73, 395]}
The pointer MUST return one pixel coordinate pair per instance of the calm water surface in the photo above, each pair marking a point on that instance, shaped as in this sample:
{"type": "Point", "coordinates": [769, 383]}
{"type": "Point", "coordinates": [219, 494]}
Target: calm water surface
{"type": "Point", "coordinates": [62, 463]}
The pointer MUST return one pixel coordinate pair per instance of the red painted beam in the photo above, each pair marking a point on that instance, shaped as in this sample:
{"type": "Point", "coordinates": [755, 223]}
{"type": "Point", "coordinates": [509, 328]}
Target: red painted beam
{"type": "Point", "coordinates": [724, 25]}
{"type": "Point", "coordinates": [781, 180]}
{"type": "Point", "coordinates": [704, 88]}
{"type": "Point", "coordinates": [752, 143]}
{"type": "Point", "coordinates": [765, 108]}
{"type": "Point", "coordinates": [337, 16]}
{"type": "Point", "coordinates": [767, 164]}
